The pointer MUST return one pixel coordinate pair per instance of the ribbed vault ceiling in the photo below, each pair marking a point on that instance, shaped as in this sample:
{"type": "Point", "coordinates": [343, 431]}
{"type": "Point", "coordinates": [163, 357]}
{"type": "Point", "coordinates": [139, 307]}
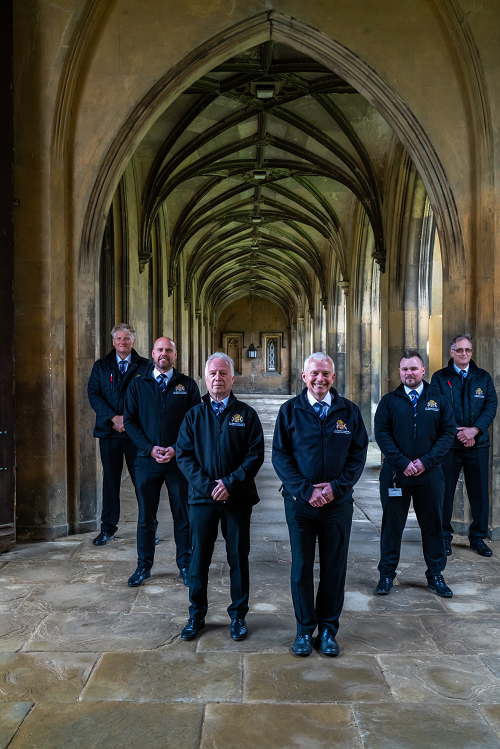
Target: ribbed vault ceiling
{"type": "Point", "coordinates": [260, 194]}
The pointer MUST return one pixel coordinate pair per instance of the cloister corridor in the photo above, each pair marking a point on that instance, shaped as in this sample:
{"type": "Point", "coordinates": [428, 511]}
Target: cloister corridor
{"type": "Point", "coordinates": [86, 661]}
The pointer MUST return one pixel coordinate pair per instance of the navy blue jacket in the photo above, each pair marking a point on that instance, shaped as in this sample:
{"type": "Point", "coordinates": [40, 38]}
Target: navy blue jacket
{"type": "Point", "coordinates": [106, 390]}
{"type": "Point", "coordinates": [474, 403]}
{"type": "Point", "coordinates": [231, 450]}
{"type": "Point", "coordinates": [154, 418]}
{"type": "Point", "coordinates": [396, 436]}
{"type": "Point", "coordinates": [307, 451]}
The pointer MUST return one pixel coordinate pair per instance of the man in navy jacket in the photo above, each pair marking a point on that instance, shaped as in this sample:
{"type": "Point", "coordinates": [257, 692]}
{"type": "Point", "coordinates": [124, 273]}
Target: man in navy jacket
{"type": "Point", "coordinates": [473, 399]}
{"type": "Point", "coordinates": [319, 452]}
{"type": "Point", "coordinates": [155, 407]}
{"type": "Point", "coordinates": [220, 450]}
{"type": "Point", "coordinates": [106, 390]}
{"type": "Point", "coordinates": [414, 428]}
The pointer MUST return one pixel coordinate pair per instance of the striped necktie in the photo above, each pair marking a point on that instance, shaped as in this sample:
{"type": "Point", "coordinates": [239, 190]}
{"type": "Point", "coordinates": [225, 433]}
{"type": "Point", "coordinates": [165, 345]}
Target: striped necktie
{"type": "Point", "coordinates": [463, 375]}
{"type": "Point", "coordinates": [320, 409]}
{"type": "Point", "coordinates": [414, 400]}
{"type": "Point", "coordinates": [162, 382]}
{"type": "Point", "coordinates": [123, 367]}
{"type": "Point", "coordinates": [217, 406]}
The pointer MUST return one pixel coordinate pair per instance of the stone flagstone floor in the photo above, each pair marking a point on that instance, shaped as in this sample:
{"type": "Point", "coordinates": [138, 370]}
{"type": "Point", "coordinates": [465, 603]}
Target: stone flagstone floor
{"type": "Point", "coordinates": [86, 661]}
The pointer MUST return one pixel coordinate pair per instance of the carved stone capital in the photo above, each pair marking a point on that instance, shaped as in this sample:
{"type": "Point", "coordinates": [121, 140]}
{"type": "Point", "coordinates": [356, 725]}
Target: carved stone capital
{"type": "Point", "coordinates": [171, 285]}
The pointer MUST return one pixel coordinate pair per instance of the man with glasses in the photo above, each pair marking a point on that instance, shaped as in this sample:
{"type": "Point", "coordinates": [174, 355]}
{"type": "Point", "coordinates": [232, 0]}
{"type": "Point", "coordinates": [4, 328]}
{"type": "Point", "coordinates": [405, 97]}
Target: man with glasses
{"type": "Point", "coordinates": [472, 394]}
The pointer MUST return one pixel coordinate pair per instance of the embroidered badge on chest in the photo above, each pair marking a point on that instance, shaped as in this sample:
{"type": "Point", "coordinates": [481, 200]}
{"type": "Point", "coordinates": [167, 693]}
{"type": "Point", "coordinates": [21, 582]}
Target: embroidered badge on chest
{"type": "Point", "coordinates": [180, 390]}
{"type": "Point", "coordinates": [479, 393]}
{"type": "Point", "coordinates": [432, 406]}
{"type": "Point", "coordinates": [237, 421]}
{"type": "Point", "coordinates": [341, 427]}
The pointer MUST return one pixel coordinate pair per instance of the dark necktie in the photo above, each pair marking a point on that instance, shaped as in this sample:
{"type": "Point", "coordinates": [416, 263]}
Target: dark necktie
{"type": "Point", "coordinates": [414, 400]}
{"type": "Point", "coordinates": [463, 375]}
{"type": "Point", "coordinates": [162, 381]}
{"type": "Point", "coordinates": [218, 407]}
{"type": "Point", "coordinates": [320, 409]}
{"type": "Point", "coordinates": [123, 367]}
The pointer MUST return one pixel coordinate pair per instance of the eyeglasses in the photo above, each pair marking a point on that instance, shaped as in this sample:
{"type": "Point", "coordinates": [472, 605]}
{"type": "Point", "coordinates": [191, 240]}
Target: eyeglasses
{"type": "Point", "coordinates": [462, 350]}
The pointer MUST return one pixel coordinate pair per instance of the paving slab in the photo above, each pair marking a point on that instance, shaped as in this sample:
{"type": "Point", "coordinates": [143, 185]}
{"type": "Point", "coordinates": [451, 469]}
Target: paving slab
{"type": "Point", "coordinates": [80, 632]}
{"type": "Point", "coordinates": [47, 550]}
{"type": "Point", "coordinates": [460, 634]}
{"type": "Point", "coordinates": [84, 597]}
{"type": "Point", "coordinates": [11, 717]}
{"type": "Point", "coordinates": [435, 678]}
{"type": "Point", "coordinates": [47, 677]}
{"type": "Point", "coordinates": [277, 677]}
{"type": "Point", "coordinates": [52, 573]}
{"type": "Point", "coordinates": [110, 726]}
{"type": "Point", "coordinates": [409, 726]}
{"type": "Point", "coordinates": [16, 630]}
{"type": "Point", "coordinates": [268, 632]}
{"type": "Point", "coordinates": [360, 633]}
{"type": "Point", "coordinates": [491, 713]}
{"type": "Point", "coordinates": [279, 727]}
{"type": "Point", "coordinates": [166, 677]}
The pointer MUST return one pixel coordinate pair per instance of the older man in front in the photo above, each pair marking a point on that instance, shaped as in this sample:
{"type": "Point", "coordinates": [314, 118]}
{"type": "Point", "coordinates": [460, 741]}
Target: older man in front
{"type": "Point", "coordinates": [220, 449]}
{"type": "Point", "coordinates": [319, 452]}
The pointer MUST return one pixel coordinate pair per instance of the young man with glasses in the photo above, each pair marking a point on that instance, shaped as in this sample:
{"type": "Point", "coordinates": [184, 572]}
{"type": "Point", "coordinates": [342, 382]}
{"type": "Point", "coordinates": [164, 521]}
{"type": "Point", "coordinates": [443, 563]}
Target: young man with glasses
{"type": "Point", "coordinates": [472, 395]}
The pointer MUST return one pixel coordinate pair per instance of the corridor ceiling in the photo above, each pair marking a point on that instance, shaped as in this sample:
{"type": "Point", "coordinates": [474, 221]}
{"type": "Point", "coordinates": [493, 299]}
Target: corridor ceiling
{"type": "Point", "coordinates": [260, 169]}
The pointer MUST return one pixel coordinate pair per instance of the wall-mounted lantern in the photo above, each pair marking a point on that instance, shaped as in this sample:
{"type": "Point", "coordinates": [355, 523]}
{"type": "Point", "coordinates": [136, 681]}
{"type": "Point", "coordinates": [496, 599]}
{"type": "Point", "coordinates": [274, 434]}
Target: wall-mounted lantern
{"type": "Point", "coordinates": [252, 352]}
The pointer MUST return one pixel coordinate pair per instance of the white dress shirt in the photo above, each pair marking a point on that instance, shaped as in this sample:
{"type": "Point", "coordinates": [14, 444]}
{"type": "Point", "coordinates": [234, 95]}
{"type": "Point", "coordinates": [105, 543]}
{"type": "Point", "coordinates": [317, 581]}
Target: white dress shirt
{"type": "Point", "coordinates": [168, 375]}
{"type": "Point", "coordinates": [458, 370]}
{"type": "Point", "coordinates": [127, 361]}
{"type": "Point", "coordinates": [418, 390]}
{"type": "Point", "coordinates": [327, 400]}
{"type": "Point", "coordinates": [223, 403]}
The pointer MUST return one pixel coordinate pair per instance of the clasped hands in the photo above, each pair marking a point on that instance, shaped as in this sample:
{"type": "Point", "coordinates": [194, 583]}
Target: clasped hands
{"type": "Point", "coordinates": [414, 468]}
{"type": "Point", "coordinates": [322, 494]}
{"type": "Point", "coordinates": [467, 435]}
{"type": "Point", "coordinates": [162, 454]}
{"type": "Point", "coordinates": [220, 493]}
{"type": "Point", "coordinates": [118, 423]}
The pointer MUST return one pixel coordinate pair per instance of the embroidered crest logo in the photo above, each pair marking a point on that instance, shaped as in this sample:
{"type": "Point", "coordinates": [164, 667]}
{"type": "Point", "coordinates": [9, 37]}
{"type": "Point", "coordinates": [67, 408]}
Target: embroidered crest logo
{"type": "Point", "coordinates": [237, 421]}
{"type": "Point", "coordinates": [180, 390]}
{"type": "Point", "coordinates": [432, 406]}
{"type": "Point", "coordinates": [479, 393]}
{"type": "Point", "coordinates": [341, 427]}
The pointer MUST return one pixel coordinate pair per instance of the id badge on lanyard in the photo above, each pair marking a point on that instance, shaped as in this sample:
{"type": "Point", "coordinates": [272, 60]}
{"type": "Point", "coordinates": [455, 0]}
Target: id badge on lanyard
{"type": "Point", "coordinates": [395, 491]}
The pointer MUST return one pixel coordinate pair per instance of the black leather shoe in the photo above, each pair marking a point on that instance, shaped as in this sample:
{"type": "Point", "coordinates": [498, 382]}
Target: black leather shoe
{"type": "Point", "coordinates": [184, 574]}
{"type": "Point", "coordinates": [328, 644]}
{"type": "Point", "coordinates": [438, 584]}
{"type": "Point", "coordinates": [481, 548]}
{"type": "Point", "coordinates": [192, 629]}
{"type": "Point", "coordinates": [157, 540]}
{"type": "Point", "coordinates": [138, 577]}
{"type": "Point", "coordinates": [103, 538]}
{"type": "Point", "coordinates": [447, 547]}
{"type": "Point", "coordinates": [302, 645]}
{"type": "Point", "coordinates": [384, 586]}
{"type": "Point", "coordinates": [239, 629]}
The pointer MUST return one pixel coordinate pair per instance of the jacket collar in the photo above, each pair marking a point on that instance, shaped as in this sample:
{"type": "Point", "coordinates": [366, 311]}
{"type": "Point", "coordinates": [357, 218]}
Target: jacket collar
{"type": "Point", "coordinates": [149, 375]}
{"type": "Point", "coordinates": [400, 390]}
{"type": "Point", "coordinates": [135, 358]}
{"type": "Point", "coordinates": [337, 401]}
{"type": "Point", "coordinates": [232, 399]}
{"type": "Point", "coordinates": [472, 367]}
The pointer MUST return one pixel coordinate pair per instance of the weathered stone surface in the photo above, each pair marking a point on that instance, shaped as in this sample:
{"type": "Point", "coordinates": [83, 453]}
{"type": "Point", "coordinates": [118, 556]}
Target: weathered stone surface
{"type": "Point", "coordinates": [166, 677]}
{"type": "Point", "coordinates": [80, 596]}
{"type": "Point", "coordinates": [51, 677]}
{"type": "Point", "coordinates": [460, 634]}
{"type": "Point", "coordinates": [110, 726]}
{"type": "Point", "coordinates": [11, 717]}
{"type": "Point", "coordinates": [399, 633]}
{"type": "Point", "coordinates": [285, 678]}
{"type": "Point", "coordinates": [102, 632]}
{"type": "Point", "coordinates": [279, 727]}
{"type": "Point", "coordinates": [16, 630]}
{"type": "Point", "coordinates": [268, 632]}
{"type": "Point", "coordinates": [492, 715]}
{"type": "Point", "coordinates": [432, 678]}
{"type": "Point", "coordinates": [49, 550]}
{"type": "Point", "coordinates": [423, 727]}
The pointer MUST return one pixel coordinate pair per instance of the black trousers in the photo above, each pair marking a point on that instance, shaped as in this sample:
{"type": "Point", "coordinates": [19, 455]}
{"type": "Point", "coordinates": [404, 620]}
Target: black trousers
{"type": "Point", "coordinates": [234, 519]}
{"type": "Point", "coordinates": [150, 477]}
{"type": "Point", "coordinates": [112, 451]}
{"type": "Point", "coordinates": [427, 491]}
{"type": "Point", "coordinates": [475, 462]}
{"type": "Point", "coordinates": [331, 525]}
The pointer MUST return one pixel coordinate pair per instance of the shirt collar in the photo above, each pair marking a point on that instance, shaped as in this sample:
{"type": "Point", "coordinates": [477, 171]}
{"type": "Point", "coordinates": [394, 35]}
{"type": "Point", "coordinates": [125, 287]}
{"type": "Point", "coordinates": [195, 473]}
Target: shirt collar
{"type": "Point", "coordinates": [224, 402]}
{"type": "Point", "coordinates": [168, 374]}
{"type": "Point", "coordinates": [327, 399]}
{"type": "Point", "coordinates": [419, 389]}
{"type": "Point", "coordinates": [128, 358]}
{"type": "Point", "coordinates": [458, 370]}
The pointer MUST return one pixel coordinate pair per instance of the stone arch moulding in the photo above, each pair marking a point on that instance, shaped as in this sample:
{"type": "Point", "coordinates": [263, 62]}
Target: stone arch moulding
{"type": "Point", "coordinates": [340, 59]}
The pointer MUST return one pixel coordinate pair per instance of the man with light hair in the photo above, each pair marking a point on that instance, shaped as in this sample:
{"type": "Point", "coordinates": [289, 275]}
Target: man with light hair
{"type": "Point", "coordinates": [220, 449]}
{"type": "Point", "coordinates": [319, 452]}
{"type": "Point", "coordinates": [471, 393]}
{"type": "Point", "coordinates": [106, 390]}
{"type": "Point", "coordinates": [155, 407]}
